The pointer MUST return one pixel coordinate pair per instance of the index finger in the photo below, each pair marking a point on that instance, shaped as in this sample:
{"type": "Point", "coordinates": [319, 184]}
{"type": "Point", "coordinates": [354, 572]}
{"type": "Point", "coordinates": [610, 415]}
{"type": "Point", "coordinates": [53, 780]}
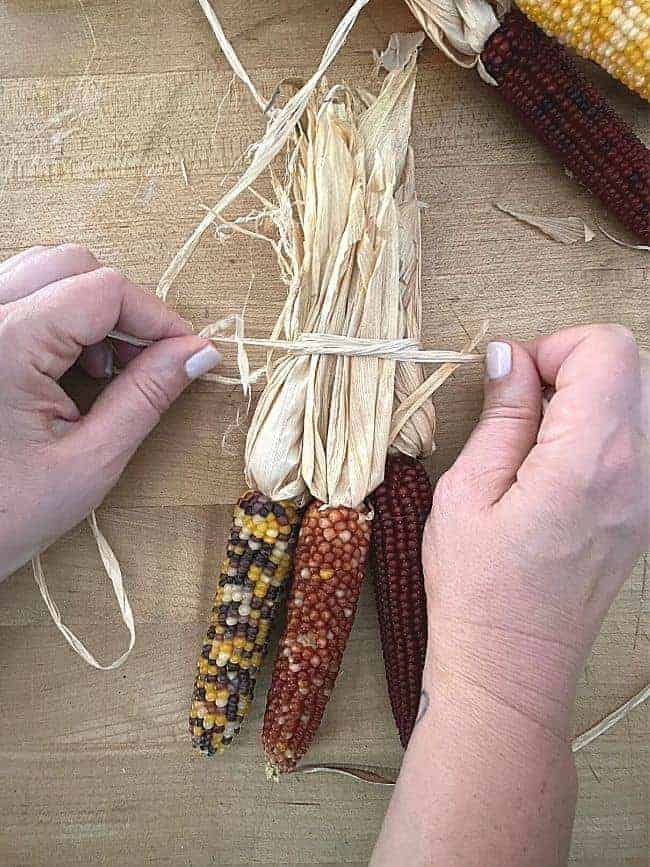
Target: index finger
{"type": "Point", "coordinates": [80, 311]}
{"type": "Point", "coordinates": [592, 426]}
{"type": "Point", "coordinates": [594, 369]}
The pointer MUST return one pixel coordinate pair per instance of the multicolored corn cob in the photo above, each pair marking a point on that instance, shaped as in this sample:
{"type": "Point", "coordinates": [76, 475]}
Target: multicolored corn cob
{"type": "Point", "coordinates": [613, 33]}
{"type": "Point", "coordinates": [257, 562]}
{"type": "Point", "coordinates": [328, 570]}
{"type": "Point", "coordinates": [402, 504]}
{"type": "Point", "coordinates": [536, 75]}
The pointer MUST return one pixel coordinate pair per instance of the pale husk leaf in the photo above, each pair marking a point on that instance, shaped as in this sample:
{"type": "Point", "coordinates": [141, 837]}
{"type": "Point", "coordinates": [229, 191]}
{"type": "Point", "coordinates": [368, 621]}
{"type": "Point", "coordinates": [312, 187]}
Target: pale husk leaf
{"type": "Point", "coordinates": [460, 28]}
{"type": "Point", "coordinates": [278, 132]}
{"type": "Point", "coordinates": [351, 256]}
{"type": "Point", "coordinates": [565, 230]}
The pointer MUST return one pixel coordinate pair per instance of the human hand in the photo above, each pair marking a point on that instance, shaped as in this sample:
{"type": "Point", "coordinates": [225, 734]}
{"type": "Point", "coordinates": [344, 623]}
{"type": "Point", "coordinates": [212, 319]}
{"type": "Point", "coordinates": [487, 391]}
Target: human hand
{"type": "Point", "coordinates": [56, 307]}
{"type": "Point", "coordinates": [535, 528]}
{"type": "Point", "coordinates": [532, 532]}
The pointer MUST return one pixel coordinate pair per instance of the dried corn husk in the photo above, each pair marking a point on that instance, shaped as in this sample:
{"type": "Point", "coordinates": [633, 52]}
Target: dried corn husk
{"type": "Point", "coordinates": [564, 230]}
{"type": "Point", "coordinates": [460, 28]}
{"type": "Point", "coordinates": [415, 437]}
{"type": "Point", "coordinates": [351, 255]}
{"type": "Point", "coordinates": [279, 130]}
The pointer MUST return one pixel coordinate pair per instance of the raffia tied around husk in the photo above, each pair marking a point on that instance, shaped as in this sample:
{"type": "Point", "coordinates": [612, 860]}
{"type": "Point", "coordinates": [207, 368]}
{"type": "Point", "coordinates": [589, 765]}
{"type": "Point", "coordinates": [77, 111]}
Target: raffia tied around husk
{"type": "Point", "coordinates": [347, 212]}
{"type": "Point", "coordinates": [347, 406]}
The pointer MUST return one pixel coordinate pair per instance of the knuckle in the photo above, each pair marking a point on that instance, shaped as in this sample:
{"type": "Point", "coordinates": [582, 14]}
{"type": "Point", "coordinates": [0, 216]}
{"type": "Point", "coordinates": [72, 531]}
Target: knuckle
{"type": "Point", "coordinates": [616, 338]}
{"type": "Point", "coordinates": [151, 391]}
{"type": "Point", "coordinates": [109, 275]}
{"type": "Point", "coordinates": [111, 282]}
{"type": "Point", "coordinates": [506, 412]}
{"type": "Point", "coordinates": [80, 255]}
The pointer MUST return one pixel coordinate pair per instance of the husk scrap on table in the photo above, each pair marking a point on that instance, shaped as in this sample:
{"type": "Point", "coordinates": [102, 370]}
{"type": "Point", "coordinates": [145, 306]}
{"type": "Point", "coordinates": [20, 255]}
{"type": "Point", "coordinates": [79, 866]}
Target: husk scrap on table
{"type": "Point", "coordinates": [564, 230]}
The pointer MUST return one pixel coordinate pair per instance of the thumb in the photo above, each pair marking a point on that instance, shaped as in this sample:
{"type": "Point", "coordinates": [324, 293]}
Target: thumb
{"type": "Point", "coordinates": [509, 423]}
{"type": "Point", "coordinates": [132, 405]}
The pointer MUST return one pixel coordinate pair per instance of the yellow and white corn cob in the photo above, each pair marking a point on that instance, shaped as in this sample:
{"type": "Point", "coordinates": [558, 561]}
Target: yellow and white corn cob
{"type": "Point", "coordinates": [613, 33]}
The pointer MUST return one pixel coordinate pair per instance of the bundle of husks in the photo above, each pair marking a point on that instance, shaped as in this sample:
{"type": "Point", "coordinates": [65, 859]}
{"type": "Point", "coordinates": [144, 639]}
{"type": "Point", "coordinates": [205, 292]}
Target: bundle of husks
{"type": "Point", "coordinates": [347, 218]}
{"type": "Point", "coordinates": [540, 80]}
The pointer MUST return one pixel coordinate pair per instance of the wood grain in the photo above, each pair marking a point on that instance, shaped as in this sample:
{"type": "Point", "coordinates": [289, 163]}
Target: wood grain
{"type": "Point", "coordinates": [100, 102]}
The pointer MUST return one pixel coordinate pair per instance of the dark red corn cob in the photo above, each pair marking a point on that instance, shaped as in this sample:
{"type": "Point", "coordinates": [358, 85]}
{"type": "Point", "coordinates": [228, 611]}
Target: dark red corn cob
{"type": "Point", "coordinates": [537, 76]}
{"type": "Point", "coordinates": [329, 563]}
{"type": "Point", "coordinates": [402, 504]}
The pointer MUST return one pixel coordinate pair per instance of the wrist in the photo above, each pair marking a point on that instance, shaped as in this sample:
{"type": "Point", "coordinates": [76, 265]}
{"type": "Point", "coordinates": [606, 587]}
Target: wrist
{"type": "Point", "coordinates": [499, 672]}
{"type": "Point", "coordinates": [502, 786]}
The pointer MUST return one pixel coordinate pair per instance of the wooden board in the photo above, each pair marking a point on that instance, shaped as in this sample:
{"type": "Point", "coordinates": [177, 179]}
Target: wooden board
{"type": "Point", "coordinates": [100, 102]}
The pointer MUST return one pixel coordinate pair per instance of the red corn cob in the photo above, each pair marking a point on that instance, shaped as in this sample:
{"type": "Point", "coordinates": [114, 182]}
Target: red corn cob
{"type": "Point", "coordinates": [329, 562]}
{"type": "Point", "coordinates": [541, 81]}
{"type": "Point", "coordinates": [402, 504]}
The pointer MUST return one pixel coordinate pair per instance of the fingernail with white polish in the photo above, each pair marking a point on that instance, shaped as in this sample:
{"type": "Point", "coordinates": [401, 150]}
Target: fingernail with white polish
{"type": "Point", "coordinates": [202, 362]}
{"type": "Point", "coordinates": [498, 360]}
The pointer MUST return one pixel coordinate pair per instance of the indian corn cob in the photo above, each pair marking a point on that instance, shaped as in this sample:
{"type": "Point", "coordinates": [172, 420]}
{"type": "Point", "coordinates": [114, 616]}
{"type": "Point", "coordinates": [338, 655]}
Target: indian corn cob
{"type": "Point", "coordinates": [328, 570]}
{"type": "Point", "coordinates": [257, 562]}
{"type": "Point", "coordinates": [536, 75]}
{"type": "Point", "coordinates": [401, 504]}
{"type": "Point", "coordinates": [613, 33]}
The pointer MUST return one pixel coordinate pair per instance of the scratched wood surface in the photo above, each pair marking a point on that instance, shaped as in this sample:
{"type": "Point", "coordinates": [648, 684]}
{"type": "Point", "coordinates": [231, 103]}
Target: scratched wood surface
{"type": "Point", "coordinates": [100, 102]}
